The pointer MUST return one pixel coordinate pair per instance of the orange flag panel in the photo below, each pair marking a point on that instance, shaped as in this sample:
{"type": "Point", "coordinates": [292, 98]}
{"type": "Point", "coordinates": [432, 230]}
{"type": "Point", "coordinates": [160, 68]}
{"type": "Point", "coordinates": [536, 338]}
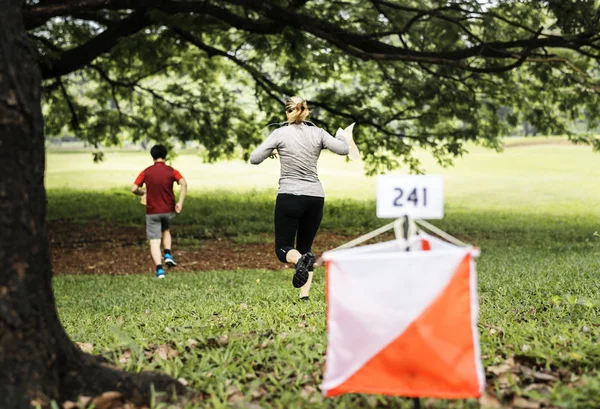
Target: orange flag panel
{"type": "Point", "coordinates": [435, 356]}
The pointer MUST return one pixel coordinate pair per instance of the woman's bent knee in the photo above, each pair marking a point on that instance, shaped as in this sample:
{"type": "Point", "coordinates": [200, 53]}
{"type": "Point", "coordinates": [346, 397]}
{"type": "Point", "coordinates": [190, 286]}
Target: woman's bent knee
{"type": "Point", "coordinates": [281, 253]}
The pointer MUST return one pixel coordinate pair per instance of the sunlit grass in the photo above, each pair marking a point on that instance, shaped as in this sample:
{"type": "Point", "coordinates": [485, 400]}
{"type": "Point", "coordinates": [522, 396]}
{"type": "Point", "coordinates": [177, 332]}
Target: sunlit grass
{"type": "Point", "coordinates": [536, 178]}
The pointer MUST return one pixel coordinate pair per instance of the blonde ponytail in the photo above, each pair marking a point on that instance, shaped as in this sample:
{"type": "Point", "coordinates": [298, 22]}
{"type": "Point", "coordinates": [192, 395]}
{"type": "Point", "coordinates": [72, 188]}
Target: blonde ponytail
{"type": "Point", "coordinates": [296, 109]}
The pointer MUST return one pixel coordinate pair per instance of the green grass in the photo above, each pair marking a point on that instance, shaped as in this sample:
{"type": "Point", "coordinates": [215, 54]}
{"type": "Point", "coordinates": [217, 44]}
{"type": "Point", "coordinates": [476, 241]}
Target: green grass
{"type": "Point", "coordinates": [533, 210]}
{"type": "Point", "coordinates": [523, 179]}
{"type": "Point", "coordinates": [545, 301]}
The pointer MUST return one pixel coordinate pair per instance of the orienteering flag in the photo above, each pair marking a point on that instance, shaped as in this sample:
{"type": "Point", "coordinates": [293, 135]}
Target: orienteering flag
{"type": "Point", "coordinates": [403, 322]}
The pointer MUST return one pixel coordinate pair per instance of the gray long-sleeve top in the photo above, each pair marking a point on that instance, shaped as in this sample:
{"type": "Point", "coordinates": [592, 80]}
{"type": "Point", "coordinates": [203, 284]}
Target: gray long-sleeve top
{"type": "Point", "coordinates": [299, 147]}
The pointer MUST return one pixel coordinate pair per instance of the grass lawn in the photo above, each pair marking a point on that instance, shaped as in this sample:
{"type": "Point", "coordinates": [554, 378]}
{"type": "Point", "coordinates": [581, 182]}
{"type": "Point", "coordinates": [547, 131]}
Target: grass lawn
{"type": "Point", "coordinates": [242, 337]}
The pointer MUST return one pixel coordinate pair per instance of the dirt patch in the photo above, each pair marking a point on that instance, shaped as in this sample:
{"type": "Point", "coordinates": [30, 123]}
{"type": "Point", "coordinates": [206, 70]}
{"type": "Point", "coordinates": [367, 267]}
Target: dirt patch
{"type": "Point", "coordinates": [122, 250]}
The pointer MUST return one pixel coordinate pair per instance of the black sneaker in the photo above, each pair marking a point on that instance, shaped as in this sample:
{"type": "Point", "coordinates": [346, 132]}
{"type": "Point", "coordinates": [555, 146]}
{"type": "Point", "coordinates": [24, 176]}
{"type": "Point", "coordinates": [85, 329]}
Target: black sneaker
{"type": "Point", "coordinates": [301, 275]}
{"type": "Point", "coordinates": [313, 260]}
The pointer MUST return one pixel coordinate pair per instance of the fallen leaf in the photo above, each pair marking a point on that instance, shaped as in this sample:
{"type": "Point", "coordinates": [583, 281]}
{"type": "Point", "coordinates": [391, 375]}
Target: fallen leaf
{"type": "Point", "coordinates": [507, 380]}
{"type": "Point", "coordinates": [307, 391]}
{"type": "Point", "coordinates": [218, 341]}
{"type": "Point", "coordinates": [523, 403]}
{"type": "Point", "coordinates": [84, 401]}
{"type": "Point", "coordinates": [192, 343]}
{"type": "Point", "coordinates": [234, 395]}
{"type": "Point", "coordinates": [165, 351]}
{"type": "Point", "coordinates": [540, 376]}
{"type": "Point", "coordinates": [125, 357]}
{"type": "Point", "coordinates": [107, 400]}
{"type": "Point", "coordinates": [539, 388]}
{"type": "Point", "coordinates": [489, 401]}
{"type": "Point", "coordinates": [502, 368]}
{"type": "Point", "coordinates": [494, 330]}
{"type": "Point", "coordinates": [499, 369]}
{"type": "Point", "coordinates": [70, 405]}
{"type": "Point", "coordinates": [259, 392]}
{"type": "Point", "coordinates": [244, 306]}
{"type": "Point", "coordinates": [147, 311]}
{"type": "Point", "coordinates": [183, 381]}
{"type": "Point", "coordinates": [86, 347]}
{"type": "Point", "coordinates": [12, 98]}
{"type": "Point", "coordinates": [302, 324]}
{"type": "Point", "coordinates": [40, 401]}
{"type": "Point", "coordinates": [266, 343]}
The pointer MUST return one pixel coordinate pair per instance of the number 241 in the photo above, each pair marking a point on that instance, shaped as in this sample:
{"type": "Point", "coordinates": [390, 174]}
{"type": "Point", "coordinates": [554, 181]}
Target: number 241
{"type": "Point", "coordinates": [412, 197]}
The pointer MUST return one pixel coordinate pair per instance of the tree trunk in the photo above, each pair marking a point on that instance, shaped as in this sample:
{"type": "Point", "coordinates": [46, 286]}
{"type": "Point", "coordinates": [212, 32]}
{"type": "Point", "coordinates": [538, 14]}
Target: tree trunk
{"type": "Point", "coordinates": [38, 361]}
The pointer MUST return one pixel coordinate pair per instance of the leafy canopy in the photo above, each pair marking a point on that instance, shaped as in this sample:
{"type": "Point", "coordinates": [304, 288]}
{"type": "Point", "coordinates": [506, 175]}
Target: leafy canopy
{"type": "Point", "coordinates": [411, 73]}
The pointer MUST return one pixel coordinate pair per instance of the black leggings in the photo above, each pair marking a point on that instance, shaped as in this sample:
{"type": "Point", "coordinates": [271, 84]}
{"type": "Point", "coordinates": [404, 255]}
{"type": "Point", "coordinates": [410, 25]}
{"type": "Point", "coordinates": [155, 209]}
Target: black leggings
{"type": "Point", "coordinates": [298, 217]}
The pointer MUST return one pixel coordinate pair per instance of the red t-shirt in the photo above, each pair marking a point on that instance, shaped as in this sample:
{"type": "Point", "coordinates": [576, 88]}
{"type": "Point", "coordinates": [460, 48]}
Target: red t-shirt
{"type": "Point", "coordinates": [159, 180]}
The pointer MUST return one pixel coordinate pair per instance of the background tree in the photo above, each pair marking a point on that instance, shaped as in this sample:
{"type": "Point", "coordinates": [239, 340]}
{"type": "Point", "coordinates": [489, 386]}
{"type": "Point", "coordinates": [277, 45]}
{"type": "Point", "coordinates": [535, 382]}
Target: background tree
{"type": "Point", "coordinates": [429, 74]}
{"type": "Point", "coordinates": [38, 362]}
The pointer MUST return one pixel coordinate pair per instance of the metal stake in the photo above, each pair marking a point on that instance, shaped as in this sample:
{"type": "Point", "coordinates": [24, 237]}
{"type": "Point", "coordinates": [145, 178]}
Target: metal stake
{"type": "Point", "coordinates": [405, 231]}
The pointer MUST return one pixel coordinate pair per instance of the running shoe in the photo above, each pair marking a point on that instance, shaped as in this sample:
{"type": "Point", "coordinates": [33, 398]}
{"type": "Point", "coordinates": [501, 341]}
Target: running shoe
{"type": "Point", "coordinates": [160, 273]}
{"type": "Point", "coordinates": [170, 261]}
{"type": "Point", "coordinates": [301, 275]}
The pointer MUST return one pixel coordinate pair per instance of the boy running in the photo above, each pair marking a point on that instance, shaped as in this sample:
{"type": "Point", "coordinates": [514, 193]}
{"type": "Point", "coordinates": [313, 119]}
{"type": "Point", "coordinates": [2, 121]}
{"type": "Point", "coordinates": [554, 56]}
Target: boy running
{"type": "Point", "coordinates": [160, 205]}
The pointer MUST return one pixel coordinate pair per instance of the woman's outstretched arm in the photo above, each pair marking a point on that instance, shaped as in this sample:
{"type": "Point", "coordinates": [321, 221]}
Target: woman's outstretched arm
{"type": "Point", "coordinates": [338, 145]}
{"type": "Point", "coordinates": [264, 150]}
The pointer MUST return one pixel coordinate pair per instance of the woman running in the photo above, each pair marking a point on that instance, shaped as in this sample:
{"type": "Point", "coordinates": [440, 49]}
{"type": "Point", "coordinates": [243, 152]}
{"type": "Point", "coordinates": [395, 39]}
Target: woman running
{"type": "Point", "coordinates": [300, 198]}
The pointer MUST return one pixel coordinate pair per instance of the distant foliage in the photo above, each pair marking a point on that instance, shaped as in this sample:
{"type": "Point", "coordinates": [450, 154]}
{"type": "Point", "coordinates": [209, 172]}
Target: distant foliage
{"type": "Point", "coordinates": [412, 74]}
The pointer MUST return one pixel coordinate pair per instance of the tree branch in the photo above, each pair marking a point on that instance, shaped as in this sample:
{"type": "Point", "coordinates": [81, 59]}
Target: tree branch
{"type": "Point", "coordinates": [364, 47]}
{"type": "Point", "coordinates": [35, 16]}
{"type": "Point", "coordinates": [38, 15]}
{"type": "Point", "coordinates": [74, 119]}
{"type": "Point", "coordinates": [95, 17]}
{"type": "Point", "coordinates": [269, 85]}
{"type": "Point", "coordinates": [135, 85]}
{"type": "Point", "coordinates": [275, 18]}
{"type": "Point", "coordinates": [113, 91]}
{"type": "Point", "coordinates": [234, 20]}
{"type": "Point", "coordinates": [81, 56]}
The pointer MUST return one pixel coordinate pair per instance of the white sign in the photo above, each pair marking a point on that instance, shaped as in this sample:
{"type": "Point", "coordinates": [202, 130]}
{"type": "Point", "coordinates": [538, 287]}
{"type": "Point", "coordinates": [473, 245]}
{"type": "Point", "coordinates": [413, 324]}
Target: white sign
{"type": "Point", "coordinates": [416, 196]}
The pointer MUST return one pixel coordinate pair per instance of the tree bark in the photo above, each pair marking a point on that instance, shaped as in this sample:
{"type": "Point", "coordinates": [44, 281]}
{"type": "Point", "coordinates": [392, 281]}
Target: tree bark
{"type": "Point", "coordinates": [38, 361]}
